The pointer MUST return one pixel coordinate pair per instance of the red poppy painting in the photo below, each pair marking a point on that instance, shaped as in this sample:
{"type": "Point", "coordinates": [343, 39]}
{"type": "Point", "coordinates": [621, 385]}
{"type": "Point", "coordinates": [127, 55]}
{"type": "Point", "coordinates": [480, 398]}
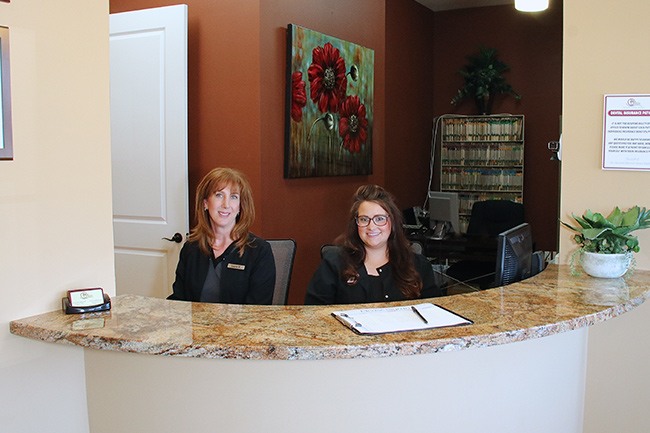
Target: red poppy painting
{"type": "Point", "coordinates": [298, 96]}
{"type": "Point", "coordinates": [330, 90]}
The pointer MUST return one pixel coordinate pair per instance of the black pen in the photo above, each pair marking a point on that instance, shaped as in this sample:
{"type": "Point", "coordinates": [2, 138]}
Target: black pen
{"type": "Point", "coordinates": [415, 310]}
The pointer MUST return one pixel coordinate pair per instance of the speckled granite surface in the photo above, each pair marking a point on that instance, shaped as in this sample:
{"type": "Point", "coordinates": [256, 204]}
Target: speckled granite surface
{"type": "Point", "coordinates": [552, 302]}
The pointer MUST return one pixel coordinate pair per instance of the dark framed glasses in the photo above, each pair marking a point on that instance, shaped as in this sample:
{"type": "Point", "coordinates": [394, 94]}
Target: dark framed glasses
{"type": "Point", "coordinates": [379, 220]}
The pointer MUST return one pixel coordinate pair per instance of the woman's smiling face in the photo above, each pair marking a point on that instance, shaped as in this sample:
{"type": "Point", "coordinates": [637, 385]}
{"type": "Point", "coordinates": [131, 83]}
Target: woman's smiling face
{"type": "Point", "coordinates": [223, 207]}
{"type": "Point", "coordinates": [372, 235]}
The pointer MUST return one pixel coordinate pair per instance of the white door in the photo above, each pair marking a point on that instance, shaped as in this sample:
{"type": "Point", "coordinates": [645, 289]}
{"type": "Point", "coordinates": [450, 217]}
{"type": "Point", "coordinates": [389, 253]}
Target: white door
{"type": "Point", "coordinates": [148, 50]}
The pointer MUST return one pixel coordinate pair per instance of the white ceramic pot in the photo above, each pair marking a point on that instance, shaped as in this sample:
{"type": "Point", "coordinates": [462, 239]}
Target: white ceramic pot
{"type": "Point", "coordinates": [605, 265]}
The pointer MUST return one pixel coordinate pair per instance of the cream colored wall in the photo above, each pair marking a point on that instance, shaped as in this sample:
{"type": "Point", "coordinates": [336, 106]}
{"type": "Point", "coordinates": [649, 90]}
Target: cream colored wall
{"type": "Point", "coordinates": [55, 201]}
{"type": "Point", "coordinates": [55, 196]}
{"type": "Point", "coordinates": [605, 52]}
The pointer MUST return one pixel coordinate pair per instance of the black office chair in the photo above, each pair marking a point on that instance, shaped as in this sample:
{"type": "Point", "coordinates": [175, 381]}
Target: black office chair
{"type": "Point", "coordinates": [417, 247]}
{"type": "Point", "coordinates": [491, 217]}
{"type": "Point", "coordinates": [284, 252]}
{"type": "Point", "coordinates": [487, 220]}
{"type": "Point", "coordinates": [327, 247]}
{"type": "Point", "coordinates": [539, 263]}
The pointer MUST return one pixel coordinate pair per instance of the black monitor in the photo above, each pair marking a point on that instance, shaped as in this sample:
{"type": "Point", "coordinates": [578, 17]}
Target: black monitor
{"type": "Point", "coordinates": [443, 213]}
{"type": "Point", "coordinates": [514, 255]}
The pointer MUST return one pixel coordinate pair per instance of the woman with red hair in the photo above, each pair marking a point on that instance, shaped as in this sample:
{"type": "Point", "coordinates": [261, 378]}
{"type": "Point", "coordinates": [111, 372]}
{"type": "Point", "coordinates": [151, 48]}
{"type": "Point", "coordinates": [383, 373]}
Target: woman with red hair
{"type": "Point", "coordinates": [222, 261]}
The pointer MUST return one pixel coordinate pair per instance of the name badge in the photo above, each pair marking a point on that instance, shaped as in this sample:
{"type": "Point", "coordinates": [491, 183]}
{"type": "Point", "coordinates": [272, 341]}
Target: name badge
{"type": "Point", "coordinates": [236, 266]}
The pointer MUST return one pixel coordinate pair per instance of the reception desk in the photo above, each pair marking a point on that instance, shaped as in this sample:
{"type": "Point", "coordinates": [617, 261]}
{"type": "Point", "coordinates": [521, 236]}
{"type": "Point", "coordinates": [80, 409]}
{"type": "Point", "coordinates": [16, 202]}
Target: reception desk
{"type": "Point", "coordinates": [169, 366]}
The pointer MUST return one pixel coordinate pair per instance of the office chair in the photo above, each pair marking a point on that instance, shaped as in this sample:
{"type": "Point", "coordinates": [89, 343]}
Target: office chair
{"type": "Point", "coordinates": [327, 247]}
{"type": "Point", "coordinates": [417, 247]}
{"type": "Point", "coordinates": [487, 219]}
{"type": "Point", "coordinates": [491, 217]}
{"type": "Point", "coordinates": [539, 263]}
{"type": "Point", "coordinates": [284, 253]}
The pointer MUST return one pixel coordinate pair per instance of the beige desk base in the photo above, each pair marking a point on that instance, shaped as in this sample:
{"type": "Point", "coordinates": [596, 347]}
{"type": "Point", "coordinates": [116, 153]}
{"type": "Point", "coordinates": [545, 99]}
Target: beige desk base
{"type": "Point", "coordinates": [530, 386]}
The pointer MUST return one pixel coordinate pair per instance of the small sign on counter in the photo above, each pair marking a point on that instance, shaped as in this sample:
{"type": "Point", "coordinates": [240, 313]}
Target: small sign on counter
{"type": "Point", "coordinates": [87, 300]}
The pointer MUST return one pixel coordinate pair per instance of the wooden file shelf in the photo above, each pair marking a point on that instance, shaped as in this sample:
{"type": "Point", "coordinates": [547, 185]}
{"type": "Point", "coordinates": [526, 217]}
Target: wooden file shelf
{"type": "Point", "coordinates": [482, 158]}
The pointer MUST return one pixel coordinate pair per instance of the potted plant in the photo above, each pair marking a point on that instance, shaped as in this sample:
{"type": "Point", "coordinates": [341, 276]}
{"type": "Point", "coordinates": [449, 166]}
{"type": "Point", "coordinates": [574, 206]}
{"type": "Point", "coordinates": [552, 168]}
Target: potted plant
{"type": "Point", "coordinates": [483, 80]}
{"type": "Point", "coordinates": [606, 243]}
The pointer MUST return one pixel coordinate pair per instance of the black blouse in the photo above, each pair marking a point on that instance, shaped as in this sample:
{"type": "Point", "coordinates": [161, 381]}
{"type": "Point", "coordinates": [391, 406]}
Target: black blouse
{"type": "Point", "coordinates": [248, 279]}
{"type": "Point", "coordinates": [327, 286]}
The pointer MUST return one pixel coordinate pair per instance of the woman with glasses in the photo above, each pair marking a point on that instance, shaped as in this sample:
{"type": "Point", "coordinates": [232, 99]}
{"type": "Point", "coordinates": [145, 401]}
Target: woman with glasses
{"type": "Point", "coordinates": [374, 261]}
{"type": "Point", "coordinates": [222, 261]}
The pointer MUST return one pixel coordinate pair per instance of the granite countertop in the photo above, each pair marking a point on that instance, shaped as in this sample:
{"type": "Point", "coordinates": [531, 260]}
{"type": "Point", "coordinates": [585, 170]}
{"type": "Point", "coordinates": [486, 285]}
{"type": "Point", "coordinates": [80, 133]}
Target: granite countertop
{"type": "Point", "coordinates": [551, 302]}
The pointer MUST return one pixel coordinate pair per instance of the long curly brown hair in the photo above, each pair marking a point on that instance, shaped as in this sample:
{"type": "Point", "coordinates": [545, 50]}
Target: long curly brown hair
{"type": "Point", "coordinates": [400, 254]}
{"type": "Point", "coordinates": [216, 180]}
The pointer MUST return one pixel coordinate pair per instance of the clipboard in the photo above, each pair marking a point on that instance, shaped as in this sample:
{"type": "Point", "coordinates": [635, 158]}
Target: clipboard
{"type": "Point", "coordinates": [368, 321]}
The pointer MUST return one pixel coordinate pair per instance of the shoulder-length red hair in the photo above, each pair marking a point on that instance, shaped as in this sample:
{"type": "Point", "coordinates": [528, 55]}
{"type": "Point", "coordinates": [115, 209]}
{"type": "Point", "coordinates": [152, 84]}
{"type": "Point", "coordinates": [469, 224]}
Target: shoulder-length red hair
{"type": "Point", "coordinates": [217, 179]}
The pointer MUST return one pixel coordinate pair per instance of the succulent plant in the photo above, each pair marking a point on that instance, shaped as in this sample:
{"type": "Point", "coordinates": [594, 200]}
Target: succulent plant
{"type": "Point", "coordinates": [612, 234]}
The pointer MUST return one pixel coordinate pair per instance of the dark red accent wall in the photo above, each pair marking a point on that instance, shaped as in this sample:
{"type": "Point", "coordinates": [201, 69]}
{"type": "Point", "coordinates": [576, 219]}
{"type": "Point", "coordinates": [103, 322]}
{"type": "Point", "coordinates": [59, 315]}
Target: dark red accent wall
{"type": "Point", "coordinates": [409, 106]}
{"type": "Point", "coordinates": [236, 66]}
{"type": "Point", "coordinates": [531, 44]}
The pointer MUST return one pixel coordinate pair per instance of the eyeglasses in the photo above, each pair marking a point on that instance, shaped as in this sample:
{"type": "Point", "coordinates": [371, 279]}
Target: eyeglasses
{"type": "Point", "coordinates": [379, 220]}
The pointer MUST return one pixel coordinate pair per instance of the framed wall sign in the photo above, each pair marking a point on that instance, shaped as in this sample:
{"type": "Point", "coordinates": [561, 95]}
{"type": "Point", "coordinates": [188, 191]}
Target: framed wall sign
{"type": "Point", "coordinates": [626, 132]}
{"type": "Point", "coordinates": [6, 143]}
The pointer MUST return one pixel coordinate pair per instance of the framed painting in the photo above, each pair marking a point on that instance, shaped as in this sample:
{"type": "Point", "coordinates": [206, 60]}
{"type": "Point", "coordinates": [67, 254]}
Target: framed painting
{"type": "Point", "coordinates": [6, 145]}
{"type": "Point", "coordinates": [329, 106]}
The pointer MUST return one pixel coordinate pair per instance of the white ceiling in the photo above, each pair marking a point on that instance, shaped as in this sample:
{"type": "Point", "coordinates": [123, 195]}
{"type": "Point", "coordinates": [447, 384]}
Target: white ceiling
{"type": "Point", "coordinates": [441, 5]}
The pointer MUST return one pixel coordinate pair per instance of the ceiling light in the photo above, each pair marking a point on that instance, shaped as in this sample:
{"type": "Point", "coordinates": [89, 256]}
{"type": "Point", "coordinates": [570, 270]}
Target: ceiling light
{"type": "Point", "coordinates": [531, 5]}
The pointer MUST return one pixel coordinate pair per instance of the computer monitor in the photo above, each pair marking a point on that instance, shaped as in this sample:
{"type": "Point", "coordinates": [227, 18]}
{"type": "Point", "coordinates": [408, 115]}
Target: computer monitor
{"type": "Point", "coordinates": [514, 255]}
{"type": "Point", "coordinates": [443, 212]}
